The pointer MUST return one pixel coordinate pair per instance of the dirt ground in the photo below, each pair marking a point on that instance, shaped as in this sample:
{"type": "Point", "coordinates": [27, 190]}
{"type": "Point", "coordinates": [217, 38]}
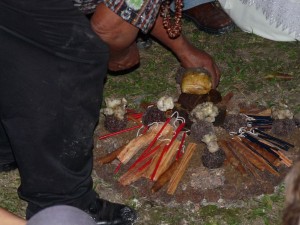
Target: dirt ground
{"type": "Point", "coordinates": [200, 186]}
{"type": "Point", "coordinates": [249, 65]}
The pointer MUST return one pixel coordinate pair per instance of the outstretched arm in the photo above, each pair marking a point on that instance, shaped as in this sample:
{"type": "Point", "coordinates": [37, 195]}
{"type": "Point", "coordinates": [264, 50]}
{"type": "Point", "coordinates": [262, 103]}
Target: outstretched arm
{"type": "Point", "coordinates": [188, 55]}
{"type": "Point", "coordinates": [120, 37]}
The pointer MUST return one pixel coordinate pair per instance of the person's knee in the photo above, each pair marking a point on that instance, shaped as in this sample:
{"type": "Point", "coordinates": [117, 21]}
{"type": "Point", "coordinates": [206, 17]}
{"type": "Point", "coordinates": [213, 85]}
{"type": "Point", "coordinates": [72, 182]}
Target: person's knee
{"type": "Point", "coordinates": [112, 29]}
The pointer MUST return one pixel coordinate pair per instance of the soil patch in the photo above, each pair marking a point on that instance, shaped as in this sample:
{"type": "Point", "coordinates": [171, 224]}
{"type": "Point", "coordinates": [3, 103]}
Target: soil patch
{"type": "Point", "coordinates": [199, 185]}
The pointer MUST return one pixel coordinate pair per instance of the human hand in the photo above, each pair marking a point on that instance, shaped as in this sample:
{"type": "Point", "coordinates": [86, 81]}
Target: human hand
{"type": "Point", "coordinates": [194, 58]}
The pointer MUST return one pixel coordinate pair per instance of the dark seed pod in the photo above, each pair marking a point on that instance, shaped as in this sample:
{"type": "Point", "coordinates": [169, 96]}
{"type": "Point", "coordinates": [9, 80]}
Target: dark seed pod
{"type": "Point", "coordinates": [185, 114]}
{"type": "Point", "coordinates": [283, 127]}
{"type": "Point", "coordinates": [233, 122]}
{"type": "Point", "coordinates": [153, 114]}
{"type": "Point", "coordinates": [199, 129]}
{"type": "Point", "coordinates": [114, 124]}
{"type": "Point", "coordinates": [213, 160]}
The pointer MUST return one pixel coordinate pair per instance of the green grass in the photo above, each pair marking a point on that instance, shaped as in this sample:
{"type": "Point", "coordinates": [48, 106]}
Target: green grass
{"type": "Point", "coordinates": [244, 59]}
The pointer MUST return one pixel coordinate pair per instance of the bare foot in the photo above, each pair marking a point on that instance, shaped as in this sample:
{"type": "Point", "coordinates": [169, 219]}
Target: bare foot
{"type": "Point", "coordinates": [124, 59]}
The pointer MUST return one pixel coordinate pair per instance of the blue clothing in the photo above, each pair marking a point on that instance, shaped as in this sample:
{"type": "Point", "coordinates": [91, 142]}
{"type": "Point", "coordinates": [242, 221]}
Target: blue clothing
{"type": "Point", "coordinates": [61, 215]}
{"type": "Point", "coordinates": [188, 4]}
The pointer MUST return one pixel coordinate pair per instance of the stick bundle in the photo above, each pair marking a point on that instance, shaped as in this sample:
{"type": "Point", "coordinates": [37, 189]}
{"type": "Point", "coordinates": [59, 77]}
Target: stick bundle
{"type": "Point", "coordinates": [178, 173]}
{"type": "Point", "coordinates": [142, 141]}
{"type": "Point", "coordinates": [251, 151]}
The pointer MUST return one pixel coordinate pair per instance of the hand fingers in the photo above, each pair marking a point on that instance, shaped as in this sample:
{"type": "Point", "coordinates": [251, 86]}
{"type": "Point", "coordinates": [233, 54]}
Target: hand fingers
{"type": "Point", "coordinates": [215, 74]}
{"type": "Point", "coordinates": [217, 77]}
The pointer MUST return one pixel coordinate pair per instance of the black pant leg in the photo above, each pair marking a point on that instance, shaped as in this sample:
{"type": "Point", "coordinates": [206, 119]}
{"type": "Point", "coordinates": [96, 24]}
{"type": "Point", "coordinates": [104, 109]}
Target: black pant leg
{"type": "Point", "coordinates": [6, 154]}
{"type": "Point", "coordinates": [49, 107]}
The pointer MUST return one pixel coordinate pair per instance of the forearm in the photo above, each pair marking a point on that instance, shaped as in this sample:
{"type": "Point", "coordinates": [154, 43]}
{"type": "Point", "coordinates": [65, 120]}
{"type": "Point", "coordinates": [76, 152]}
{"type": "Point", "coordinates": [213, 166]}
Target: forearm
{"type": "Point", "coordinates": [8, 218]}
{"type": "Point", "coordinates": [187, 54]}
{"type": "Point", "coordinates": [112, 29]}
{"type": "Point", "coordinates": [160, 33]}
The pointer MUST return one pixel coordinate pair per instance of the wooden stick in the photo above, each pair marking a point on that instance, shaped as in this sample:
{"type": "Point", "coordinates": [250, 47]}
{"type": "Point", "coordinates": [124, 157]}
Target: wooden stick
{"type": "Point", "coordinates": [232, 159]}
{"type": "Point", "coordinates": [134, 172]}
{"type": "Point", "coordinates": [234, 148]}
{"type": "Point", "coordinates": [167, 159]}
{"type": "Point", "coordinates": [254, 157]}
{"type": "Point", "coordinates": [144, 155]}
{"type": "Point", "coordinates": [110, 156]}
{"type": "Point", "coordinates": [154, 161]}
{"type": "Point", "coordinates": [141, 141]}
{"type": "Point", "coordinates": [283, 158]}
{"type": "Point", "coordinates": [272, 158]}
{"type": "Point", "coordinates": [239, 146]}
{"type": "Point", "coordinates": [166, 176]}
{"type": "Point", "coordinates": [175, 179]}
{"type": "Point", "coordinates": [275, 161]}
{"type": "Point", "coordinates": [275, 150]}
{"type": "Point", "coordinates": [166, 149]}
{"type": "Point", "coordinates": [133, 175]}
{"type": "Point", "coordinates": [138, 121]}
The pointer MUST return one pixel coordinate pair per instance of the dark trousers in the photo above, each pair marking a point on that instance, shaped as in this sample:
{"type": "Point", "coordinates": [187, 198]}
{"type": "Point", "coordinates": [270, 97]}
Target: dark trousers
{"type": "Point", "coordinates": [50, 96]}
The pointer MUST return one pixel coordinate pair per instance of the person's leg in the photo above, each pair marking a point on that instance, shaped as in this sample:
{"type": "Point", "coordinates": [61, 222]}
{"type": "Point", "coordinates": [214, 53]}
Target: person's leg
{"type": "Point", "coordinates": [208, 16]}
{"type": "Point", "coordinates": [49, 107]}
{"type": "Point", "coordinates": [55, 109]}
{"type": "Point", "coordinates": [50, 126]}
{"type": "Point", "coordinates": [7, 159]}
{"type": "Point", "coordinates": [61, 215]}
{"type": "Point", "coordinates": [8, 218]}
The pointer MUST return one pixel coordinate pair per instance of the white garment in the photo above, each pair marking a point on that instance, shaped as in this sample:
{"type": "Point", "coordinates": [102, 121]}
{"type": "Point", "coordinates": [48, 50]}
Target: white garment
{"type": "Point", "coordinates": [277, 20]}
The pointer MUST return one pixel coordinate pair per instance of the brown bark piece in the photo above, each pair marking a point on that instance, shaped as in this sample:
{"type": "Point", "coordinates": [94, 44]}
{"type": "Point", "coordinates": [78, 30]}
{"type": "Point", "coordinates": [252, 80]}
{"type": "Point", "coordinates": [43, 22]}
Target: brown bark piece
{"type": "Point", "coordinates": [165, 177]}
{"type": "Point", "coordinates": [232, 159]}
{"type": "Point", "coordinates": [167, 159]}
{"type": "Point", "coordinates": [154, 161]}
{"type": "Point", "coordinates": [142, 141]}
{"type": "Point", "coordinates": [175, 179]}
{"type": "Point", "coordinates": [256, 158]}
{"type": "Point", "coordinates": [131, 176]}
{"type": "Point", "coordinates": [267, 155]}
{"type": "Point", "coordinates": [234, 148]}
{"type": "Point", "coordinates": [239, 146]}
{"type": "Point", "coordinates": [110, 156]}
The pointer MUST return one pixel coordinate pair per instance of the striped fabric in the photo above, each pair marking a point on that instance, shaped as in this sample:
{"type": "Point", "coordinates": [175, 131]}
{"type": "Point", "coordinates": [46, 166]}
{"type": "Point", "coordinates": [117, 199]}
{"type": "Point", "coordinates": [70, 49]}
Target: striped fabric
{"type": "Point", "coordinates": [140, 13]}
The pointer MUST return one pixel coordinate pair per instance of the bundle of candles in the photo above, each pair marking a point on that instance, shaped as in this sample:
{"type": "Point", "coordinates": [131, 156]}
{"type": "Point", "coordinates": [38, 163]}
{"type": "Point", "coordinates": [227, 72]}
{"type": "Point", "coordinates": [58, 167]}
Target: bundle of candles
{"type": "Point", "coordinates": [261, 122]}
{"type": "Point", "coordinates": [163, 159]}
{"type": "Point", "coordinates": [252, 149]}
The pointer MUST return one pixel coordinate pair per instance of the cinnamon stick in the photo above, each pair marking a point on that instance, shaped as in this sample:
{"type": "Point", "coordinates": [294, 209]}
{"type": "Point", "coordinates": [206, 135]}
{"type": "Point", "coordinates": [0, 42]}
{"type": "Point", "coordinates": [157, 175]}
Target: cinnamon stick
{"type": "Point", "coordinates": [110, 156]}
{"type": "Point", "coordinates": [166, 176]}
{"type": "Point", "coordinates": [232, 159]}
{"type": "Point", "coordinates": [154, 161]}
{"type": "Point", "coordinates": [142, 141]}
{"type": "Point", "coordinates": [238, 153]}
{"type": "Point", "coordinates": [275, 161]}
{"type": "Point", "coordinates": [179, 172]}
{"type": "Point", "coordinates": [167, 159]}
{"type": "Point", "coordinates": [133, 175]}
{"type": "Point", "coordinates": [267, 165]}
